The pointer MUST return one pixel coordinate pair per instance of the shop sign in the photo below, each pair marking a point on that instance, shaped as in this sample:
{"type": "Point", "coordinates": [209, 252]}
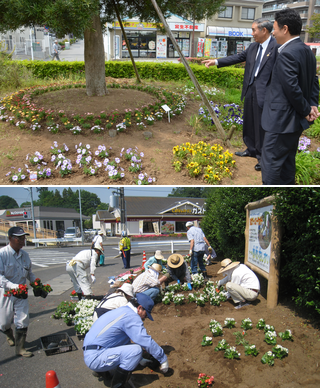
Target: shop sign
{"type": "Point", "coordinates": [161, 46]}
{"type": "Point", "coordinates": [14, 213]}
{"type": "Point", "coordinates": [194, 210]}
{"type": "Point", "coordinates": [186, 27]}
{"type": "Point", "coordinates": [137, 25]}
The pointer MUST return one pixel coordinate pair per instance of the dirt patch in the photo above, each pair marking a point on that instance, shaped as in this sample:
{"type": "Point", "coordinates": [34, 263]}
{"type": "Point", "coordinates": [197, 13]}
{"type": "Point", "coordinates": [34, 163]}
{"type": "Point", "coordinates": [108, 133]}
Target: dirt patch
{"type": "Point", "coordinates": [17, 143]}
{"type": "Point", "coordinates": [179, 330]}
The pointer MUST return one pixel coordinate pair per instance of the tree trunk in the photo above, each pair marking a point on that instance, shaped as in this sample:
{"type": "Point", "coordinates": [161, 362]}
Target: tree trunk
{"type": "Point", "coordinates": [94, 59]}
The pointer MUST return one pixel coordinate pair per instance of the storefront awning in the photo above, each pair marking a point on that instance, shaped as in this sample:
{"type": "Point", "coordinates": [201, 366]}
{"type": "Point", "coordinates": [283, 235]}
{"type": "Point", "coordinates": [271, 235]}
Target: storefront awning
{"type": "Point", "coordinates": [230, 32]}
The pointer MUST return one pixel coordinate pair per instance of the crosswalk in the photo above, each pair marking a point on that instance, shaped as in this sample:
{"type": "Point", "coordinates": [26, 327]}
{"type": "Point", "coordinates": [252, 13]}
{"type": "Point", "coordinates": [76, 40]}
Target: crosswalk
{"type": "Point", "coordinates": [46, 257]}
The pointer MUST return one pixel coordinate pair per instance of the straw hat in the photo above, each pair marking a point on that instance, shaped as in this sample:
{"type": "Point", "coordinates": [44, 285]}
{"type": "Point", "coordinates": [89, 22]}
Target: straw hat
{"type": "Point", "coordinates": [127, 289]}
{"type": "Point", "coordinates": [156, 267]}
{"type": "Point", "coordinates": [100, 232]}
{"type": "Point", "coordinates": [227, 264]}
{"type": "Point", "coordinates": [175, 260]}
{"type": "Point", "coordinates": [158, 255]}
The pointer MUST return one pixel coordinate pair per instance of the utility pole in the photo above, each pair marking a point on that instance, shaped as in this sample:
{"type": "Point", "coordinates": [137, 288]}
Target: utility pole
{"type": "Point", "coordinates": [32, 210]}
{"type": "Point", "coordinates": [81, 228]}
{"type": "Point", "coordinates": [122, 208]}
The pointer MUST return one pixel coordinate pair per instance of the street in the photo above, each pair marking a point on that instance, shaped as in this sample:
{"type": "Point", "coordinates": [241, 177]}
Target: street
{"type": "Point", "coordinates": [49, 266]}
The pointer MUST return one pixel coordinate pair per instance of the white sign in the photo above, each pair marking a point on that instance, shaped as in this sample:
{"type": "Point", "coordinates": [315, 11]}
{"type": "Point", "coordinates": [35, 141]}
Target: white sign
{"type": "Point", "coordinates": [166, 109]}
{"type": "Point", "coordinates": [161, 46]}
{"type": "Point", "coordinates": [260, 237]}
{"type": "Point", "coordinates": [186, 27]}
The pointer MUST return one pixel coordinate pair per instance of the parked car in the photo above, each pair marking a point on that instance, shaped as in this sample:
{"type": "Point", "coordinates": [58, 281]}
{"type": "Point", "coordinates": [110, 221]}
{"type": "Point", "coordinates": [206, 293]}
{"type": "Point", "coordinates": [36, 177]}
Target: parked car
{"type": "Point", "coordinates": [72, 232]}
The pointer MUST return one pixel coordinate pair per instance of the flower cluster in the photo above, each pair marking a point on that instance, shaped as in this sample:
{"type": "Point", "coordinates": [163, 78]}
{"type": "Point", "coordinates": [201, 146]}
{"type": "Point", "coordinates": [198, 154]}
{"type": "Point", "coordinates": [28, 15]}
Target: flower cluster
{"type": "Point", "coordinates": [261, 324]}
{"type": "Point", "coordinates": [230, 323]}
{"type": "Point", "coordinates": [231, 353]}
{"type": "Point", "coordinates": [268, 358]}
{"type": "Point", "coordinates": [270, 337]}
{"type": "Point", "coordinates": [206, 341]}
{"type": "Point", "coordinates": [214, 294]}
{"type": "Point", "coordinates": [202, 159]}
{"type": "Point", "coordinates": [168, 298]}
{"type": "Point", "coordinates": [286, 335]}
{"type": "Point", "coordinates": [228, 114]}
{"type": "Point", "coordinates": [304, 144]}
{"type": "Point", "coordinates": [178, 299]}
{"type": "Point", "coordinates": [222, 345]}
{"type": "Point", "coordinates": [215, 327]}
{"type": "Point", "coordinates": [204, 380]}
{"type": "Point", "coordinates": [251, 350]}
{"type": "Point", "coordinates": [25, 113]}
{"type": "Point", "coordinates": [83, 318]}
{"type": "Point", "coordinates": [246, 324]}
{"type": "Point", "coordinates": [197, 280]}
{"type": "Point", "coordinates": [20, 292]}
{"type": "Point", "coordinates": [279, 351]}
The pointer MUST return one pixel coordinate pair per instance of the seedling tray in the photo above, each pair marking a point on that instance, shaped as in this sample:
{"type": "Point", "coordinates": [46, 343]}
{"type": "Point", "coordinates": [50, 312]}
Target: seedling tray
{"type": "Point", "coordinates": [57, 343]}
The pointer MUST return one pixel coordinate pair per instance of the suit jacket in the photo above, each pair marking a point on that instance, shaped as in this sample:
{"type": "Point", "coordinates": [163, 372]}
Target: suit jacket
{"type": "Point", "coordinates": [249, 56]}
{"type": "Point", "coordinates": [293, 89]}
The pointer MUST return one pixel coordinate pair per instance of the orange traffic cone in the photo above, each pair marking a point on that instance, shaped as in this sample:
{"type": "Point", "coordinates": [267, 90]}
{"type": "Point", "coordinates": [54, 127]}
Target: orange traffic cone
{"type": "Point", "coordinates": [144, 259]}
{"type": "Point", "coordinates": [52, 380]}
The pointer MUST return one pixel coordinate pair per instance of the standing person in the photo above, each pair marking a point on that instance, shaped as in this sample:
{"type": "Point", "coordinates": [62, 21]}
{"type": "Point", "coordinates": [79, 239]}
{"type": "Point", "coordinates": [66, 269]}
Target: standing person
{"type": "Point", "coordinates": [260, 58]}
{"type": "Point", "coordinates": [197, 250]}
{"type": "Point", "coordinates": [76, 269]}
{"type": "Point", "coordinates": [15, 269]}
{"type": "Point", "coordinates": [125, 249]}
{"type": "Point", "coordinates": [291, 100]}
{"type": "Point", "coordinates": [119, 298]}
{"type": "Point", "coordinates": [97, 241]}
{"type": "Point", "coordinates": [178, 270]}
{"type": "Point", "coordinates": [149, 282]}
{"type": "Point", "coordinates": [55, 48]}
{"type": "Point", "coordinates": [117, 339]}
{"type": "Point", "coordinates": [241, 283]}
{"type": "Point", "coordinates": [156, 259]}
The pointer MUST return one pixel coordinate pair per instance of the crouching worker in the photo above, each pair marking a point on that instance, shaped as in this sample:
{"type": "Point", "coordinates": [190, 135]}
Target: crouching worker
{"type": "Point", "coordinates": [149, 282]}
{"type": "Point", "coordinates": [241, 283]}
{"type": "Point", "coordinates": [178, 270]}
{"type": "Point", "coordinates": [108, 346]}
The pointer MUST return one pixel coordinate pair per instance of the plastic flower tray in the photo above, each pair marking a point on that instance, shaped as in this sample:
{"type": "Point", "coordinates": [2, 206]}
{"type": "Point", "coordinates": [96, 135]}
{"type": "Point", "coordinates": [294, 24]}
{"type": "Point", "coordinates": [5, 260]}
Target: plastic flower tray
{"type": "Point", "coordinates": [62, 341]}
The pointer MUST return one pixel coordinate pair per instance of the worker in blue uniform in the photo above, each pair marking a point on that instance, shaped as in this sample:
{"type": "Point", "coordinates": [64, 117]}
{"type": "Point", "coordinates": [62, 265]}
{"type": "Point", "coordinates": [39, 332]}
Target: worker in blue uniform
{"type": "Point", "coordinates": [108, 344]}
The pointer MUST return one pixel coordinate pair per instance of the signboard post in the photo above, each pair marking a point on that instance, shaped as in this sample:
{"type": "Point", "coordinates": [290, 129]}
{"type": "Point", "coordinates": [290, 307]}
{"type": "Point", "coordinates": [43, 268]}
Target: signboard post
{"type": "Point", "coordinates": [262, 249]}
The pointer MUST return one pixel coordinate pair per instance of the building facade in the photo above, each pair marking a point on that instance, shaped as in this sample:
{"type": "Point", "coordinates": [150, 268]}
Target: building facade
{"type": "Point", "coordinates": [305, 8]}
{"type": "Point", "coordinates": [154, 215]}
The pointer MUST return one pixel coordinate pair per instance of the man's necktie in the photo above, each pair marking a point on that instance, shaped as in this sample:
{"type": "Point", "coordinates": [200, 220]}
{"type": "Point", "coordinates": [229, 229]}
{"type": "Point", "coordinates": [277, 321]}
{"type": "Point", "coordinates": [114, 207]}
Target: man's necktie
{"type": "Point", "coordinates": [256, 65]}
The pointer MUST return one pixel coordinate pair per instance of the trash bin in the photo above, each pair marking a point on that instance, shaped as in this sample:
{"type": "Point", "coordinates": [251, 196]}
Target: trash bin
{"type": "Point", "coordinates": [67, 45]}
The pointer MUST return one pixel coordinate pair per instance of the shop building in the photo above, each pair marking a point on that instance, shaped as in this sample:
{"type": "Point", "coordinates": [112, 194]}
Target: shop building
{"type": "Point", "coordinates": [154, 215]}
{"type": "Point", "coordinates": [147, 41]}
{"type": "Point", "coordinates": [48, 220]}
{"type": "Point", "coordinates": [229, 31]}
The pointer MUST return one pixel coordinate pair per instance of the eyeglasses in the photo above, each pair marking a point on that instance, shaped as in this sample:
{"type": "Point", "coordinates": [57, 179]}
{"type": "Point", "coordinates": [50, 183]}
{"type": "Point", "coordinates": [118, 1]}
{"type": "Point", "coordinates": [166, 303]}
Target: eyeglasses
{"type": "Point", "coordinates": [20, 238]}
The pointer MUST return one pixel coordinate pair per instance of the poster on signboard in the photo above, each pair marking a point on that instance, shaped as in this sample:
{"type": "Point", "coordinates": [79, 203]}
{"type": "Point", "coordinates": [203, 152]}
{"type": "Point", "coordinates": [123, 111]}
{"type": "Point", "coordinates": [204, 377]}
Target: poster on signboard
{"type": "Point", "coordinates": [260, 229]}
{"type": "Point", "coordinates": [207, 48]}
{"type": "Point", "coordinates": [200, 47]}
{"type": "Point", "coordinates": [161, 46]}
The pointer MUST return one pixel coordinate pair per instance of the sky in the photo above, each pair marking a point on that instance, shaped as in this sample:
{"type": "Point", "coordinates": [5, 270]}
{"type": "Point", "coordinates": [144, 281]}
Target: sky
{"type": "Point", "coordinates": [22, 194]}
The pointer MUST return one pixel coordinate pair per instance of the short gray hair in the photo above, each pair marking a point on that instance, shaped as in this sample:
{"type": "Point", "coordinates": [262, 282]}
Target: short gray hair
{"type": "Point", "coordinates": [264, 23]}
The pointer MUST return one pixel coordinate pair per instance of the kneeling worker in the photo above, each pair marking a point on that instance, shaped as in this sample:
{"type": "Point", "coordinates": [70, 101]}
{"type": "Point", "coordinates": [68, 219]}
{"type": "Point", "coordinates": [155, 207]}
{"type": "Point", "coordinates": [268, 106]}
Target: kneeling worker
{"type": "Point", "coordinates": [108, 346]}
{"type": "Point", "coordinates": [241, 283]}
{"type": "Point", "coordinates": [178, 270]}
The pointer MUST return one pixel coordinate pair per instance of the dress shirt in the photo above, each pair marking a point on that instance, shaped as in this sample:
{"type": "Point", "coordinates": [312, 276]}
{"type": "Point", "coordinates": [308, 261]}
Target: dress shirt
{"type": "Point", "coordinates": [197, 235]}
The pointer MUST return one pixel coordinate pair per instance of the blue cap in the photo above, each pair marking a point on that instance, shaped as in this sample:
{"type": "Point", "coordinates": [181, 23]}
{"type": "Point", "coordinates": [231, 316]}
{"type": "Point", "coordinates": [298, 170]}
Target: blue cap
{"type": "Point", "coordinates": [146, 302]}
{"type": "Point", "coordinates": [17, 231]}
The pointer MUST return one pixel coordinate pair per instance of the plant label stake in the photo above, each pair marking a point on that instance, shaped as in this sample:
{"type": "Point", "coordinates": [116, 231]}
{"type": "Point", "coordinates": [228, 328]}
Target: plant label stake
{"type": "Point", "coordinates": [167, 109]}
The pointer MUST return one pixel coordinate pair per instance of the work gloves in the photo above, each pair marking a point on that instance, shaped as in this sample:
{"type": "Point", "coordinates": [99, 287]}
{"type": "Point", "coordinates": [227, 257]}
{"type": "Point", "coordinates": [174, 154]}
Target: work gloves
{"type": "Point", "coordinates": [93, 279]}
{"type": "Point", "coordinates": [189, 286]}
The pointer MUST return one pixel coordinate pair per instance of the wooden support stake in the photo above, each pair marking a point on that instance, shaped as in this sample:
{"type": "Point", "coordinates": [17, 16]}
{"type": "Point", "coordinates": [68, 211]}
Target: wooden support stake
{"type": "Point", "coordinates": [232, 129]}
{"type": "Point", "coordinates": [192, 76]}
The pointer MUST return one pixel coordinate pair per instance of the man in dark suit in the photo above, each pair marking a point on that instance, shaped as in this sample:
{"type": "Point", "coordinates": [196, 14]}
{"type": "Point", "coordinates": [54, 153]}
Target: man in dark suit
{"type": "Point", "coordinates": [259, 57]}
{"type": "Point", "coordinates": [291, 101]}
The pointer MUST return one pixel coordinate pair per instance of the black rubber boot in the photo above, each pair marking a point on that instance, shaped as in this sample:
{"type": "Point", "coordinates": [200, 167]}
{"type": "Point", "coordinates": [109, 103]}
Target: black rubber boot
{"type": "Point", "coordinates": [120, 378]}
{"type": "Point", "coordinates": [79, 295]}
{"type": "Point", "coordinates": [21, 335]}
{"type": "Point", "coordinates": [205, 275]}
{"type": "Point", "coordinates": [10, 337]}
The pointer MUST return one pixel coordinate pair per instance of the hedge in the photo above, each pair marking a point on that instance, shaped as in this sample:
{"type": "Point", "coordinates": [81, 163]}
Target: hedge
{"type": "Point", "coordinates": [165, 71]}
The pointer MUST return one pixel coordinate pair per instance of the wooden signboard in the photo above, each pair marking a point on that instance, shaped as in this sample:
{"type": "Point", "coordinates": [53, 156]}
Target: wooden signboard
{"type": "Point", "coordinates": [262, 250]}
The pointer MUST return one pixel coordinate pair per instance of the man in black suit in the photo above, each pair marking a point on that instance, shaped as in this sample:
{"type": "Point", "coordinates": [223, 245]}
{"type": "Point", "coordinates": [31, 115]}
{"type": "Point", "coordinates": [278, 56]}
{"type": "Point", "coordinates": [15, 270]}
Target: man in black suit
{"type": "Point", "coordinates": [291, 100]}
{"type": "Point", "coordinates": [259, 57]}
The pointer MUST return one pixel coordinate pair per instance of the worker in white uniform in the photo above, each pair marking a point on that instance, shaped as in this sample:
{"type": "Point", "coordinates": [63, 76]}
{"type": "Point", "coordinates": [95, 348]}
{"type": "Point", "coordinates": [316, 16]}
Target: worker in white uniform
{"type": "Point", "coordinates": [97, 241]}
{"type": "Point", "coordinates": [77, 267]}
{"type": "Point", "coordinates": [242, 284]}
{"type": "Point", "coordinates": [15, 269]}
{"type": "Point", "coordinates": [117, 339]}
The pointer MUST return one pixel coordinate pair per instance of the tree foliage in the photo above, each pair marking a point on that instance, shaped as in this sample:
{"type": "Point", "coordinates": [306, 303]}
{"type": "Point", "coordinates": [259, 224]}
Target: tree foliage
{"type": "Point", "coordinates": [314, 29]}
{"type": "Point", "coordinates": [90, 202]}
{"type": "Point", "coordinates": [7, 202]}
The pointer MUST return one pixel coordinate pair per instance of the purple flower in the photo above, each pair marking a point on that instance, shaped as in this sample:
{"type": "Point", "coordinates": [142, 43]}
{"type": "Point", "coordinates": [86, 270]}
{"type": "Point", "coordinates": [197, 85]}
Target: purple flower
{"type": "Point", "coordinates": [15, 178]}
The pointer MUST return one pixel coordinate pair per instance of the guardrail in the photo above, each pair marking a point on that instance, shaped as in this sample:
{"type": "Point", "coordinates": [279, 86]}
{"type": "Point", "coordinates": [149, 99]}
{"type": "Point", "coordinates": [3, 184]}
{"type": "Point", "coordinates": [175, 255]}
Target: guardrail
{"type": "Point", "coordinates": [45, 241]}
{"type": "Point", "coordinates": [160, 243]}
